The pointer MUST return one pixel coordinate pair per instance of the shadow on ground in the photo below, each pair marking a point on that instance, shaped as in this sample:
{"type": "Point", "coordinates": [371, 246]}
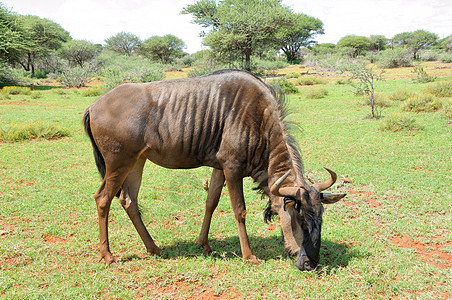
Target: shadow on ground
{"type": "Point", "coordinates": [333, 255]}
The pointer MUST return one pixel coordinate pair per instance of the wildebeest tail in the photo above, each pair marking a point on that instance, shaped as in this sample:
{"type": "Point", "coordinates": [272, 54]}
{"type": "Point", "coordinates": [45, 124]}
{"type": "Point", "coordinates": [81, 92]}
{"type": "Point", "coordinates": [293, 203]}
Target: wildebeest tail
{"type": "Point", "coordinates": [98, 158]}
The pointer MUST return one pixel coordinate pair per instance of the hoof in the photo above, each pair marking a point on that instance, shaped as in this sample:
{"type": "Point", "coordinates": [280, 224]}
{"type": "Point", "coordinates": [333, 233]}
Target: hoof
{"type": "Point", "coordinates": [205, 248]}
{"type": "Point", "coordinates": [108, 258]}
{"type": "Point", "coordinates": [155, 251]}
{"type": "Point", "coordinates": [254, 260]}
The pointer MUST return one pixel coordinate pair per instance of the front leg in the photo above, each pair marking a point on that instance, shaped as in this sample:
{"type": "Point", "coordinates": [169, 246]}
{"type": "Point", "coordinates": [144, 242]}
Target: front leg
{"type": "Point", "coordinates": [216, 185]}
{"type": "Point", "coordinates": [234, 181]}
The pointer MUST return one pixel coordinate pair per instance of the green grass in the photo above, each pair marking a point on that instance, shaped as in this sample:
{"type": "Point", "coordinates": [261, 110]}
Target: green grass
{"type": "Point", "coordinates": [400, 189]}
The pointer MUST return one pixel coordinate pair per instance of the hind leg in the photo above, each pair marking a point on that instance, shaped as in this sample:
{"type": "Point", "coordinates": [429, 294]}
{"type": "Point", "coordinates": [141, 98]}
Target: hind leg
{"type": "Point", "coordinates": [129, 200]}
{"type": "Point", "coordinates": [114, 177]}
{"type": "Point", "coordinates": [216, 185]}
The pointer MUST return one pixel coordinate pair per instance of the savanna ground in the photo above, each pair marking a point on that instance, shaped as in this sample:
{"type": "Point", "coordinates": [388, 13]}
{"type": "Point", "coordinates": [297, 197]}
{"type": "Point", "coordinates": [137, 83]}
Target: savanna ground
{"type": "Point", "coordinates": [390, 238]}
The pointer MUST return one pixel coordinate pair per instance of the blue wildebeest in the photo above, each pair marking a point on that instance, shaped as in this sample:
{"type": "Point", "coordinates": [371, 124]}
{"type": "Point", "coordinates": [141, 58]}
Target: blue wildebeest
{"type": "Point", "coordinates": [229, 120]}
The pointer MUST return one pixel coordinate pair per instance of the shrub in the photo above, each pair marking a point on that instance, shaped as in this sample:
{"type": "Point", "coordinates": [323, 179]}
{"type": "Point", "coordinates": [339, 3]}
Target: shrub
{"type": "Point", "coordinates": [75, 77]}
{"type": "Point", "coordinates": [440, 89]}
{"type": "Point", "coordinates": [422, 103]}
{"type": "Point", "coordinates": [92, 92]}
{"type": "Point", "coordinates": [316, 93]}
{"type": "Point", "coordinates": [16, 132]}
{"type": "Point", "coordinates": [122, 68]}
{"type": "Point", "coordinates": [429, 55]}
{"type": "Point", "coordinates": [447, 110]}
{"type": "Point", "coordinates": [199, 71]}
{"type": "Point", "coordinates": [292, 75]}
{"type": "Point", "coordinates": [310, 80]}
{"type": "Point", "coordinates": [399, 122]}
{"type": "Point", "coordinates": [342, 81]}
{"type": "Point", "coordinates": [394, 58]}
{"type": "Point", "coordinates": [9, 76]}
{"type": "Point", "coordinates": [422, 75]}
{"type": "Point", "coordinates": [380, 100]}
{"type": "Point", "coordinates": [285, 85]}
{"type": "Point", "coordinates": [401, 95]}
{"type": "Point", "coordinates": [16, 90]}
{"type": "Point", "coordinates": [115, 76]}
{"type": "Point", "coordinates": [446, 58]}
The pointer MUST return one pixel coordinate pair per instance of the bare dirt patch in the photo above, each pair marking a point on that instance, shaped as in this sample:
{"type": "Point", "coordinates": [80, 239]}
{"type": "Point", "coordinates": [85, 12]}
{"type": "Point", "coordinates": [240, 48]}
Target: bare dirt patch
{"type": "Point", "coordinates": [50, 239]}
{"type": "Point", "coordinates": [432, 253]}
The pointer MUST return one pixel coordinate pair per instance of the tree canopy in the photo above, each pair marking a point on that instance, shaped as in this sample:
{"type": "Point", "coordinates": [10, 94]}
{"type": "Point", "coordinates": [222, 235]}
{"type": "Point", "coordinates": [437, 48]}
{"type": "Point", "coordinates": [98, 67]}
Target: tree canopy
{"type": "Point", "coordinates": [162, 48]}
{"type": "Point", "coordinates": [357, 43]}
{"type": "Point", "coordinates": [39, 37]}
{"type": "Point", "coordinates": [123, 43]}
{"type": "Point", "coordinates": [299, 34]}
{"type": "Point", "coordinates": [416, 40]}
{"type": "Point", "coordinates": [242, 28]}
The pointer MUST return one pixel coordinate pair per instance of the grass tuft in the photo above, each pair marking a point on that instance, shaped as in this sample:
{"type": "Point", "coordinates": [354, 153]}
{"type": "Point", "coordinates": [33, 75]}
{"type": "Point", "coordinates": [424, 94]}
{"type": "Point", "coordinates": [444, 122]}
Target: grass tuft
{"type": "Point", "coordinates": [310, 80]}
{"type": "Point", "coordinates": [16, 90]}
{"type": "Point", "coordinates": [92, 92]}
{"type": "Point", "coordinates": [399, 122]}
{"type": "Point", "coordinates": [422, 103]}
{"type": "Point", "coordinates": [18, 132]}
{"type": "Point", "coordinates": [439, 89]}
{"type": "Point", "coordinates": [316, 93]}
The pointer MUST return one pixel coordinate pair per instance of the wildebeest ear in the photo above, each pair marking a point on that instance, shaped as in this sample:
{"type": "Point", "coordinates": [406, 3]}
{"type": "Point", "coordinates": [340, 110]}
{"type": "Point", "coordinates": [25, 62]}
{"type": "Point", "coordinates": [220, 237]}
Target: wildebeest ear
{"type": "Point", "coordinates": [331, 198]}
{"type": "Point", "coordinates": [288, 202]}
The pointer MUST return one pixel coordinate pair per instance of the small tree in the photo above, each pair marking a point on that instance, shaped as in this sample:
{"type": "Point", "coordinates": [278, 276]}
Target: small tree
{"type": "Point", "coordinates": [367, 81]}
{"type": "Point", "coordinates": [79, 52]}
{"type": "Point", "coordinates": [300, 34]}
{"type": "Point", "coordinates": [357, 43]}
{"type": "Point", "coordinates": [123, 42]}
{"type": "Point", "coordinates": [416, 40]}
{"type": "Point", "coordinates": [163, 48]}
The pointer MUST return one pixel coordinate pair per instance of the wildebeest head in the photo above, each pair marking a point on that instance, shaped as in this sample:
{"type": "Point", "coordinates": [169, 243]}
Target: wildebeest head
{"type": "Point", "coordinates": [301, 217]}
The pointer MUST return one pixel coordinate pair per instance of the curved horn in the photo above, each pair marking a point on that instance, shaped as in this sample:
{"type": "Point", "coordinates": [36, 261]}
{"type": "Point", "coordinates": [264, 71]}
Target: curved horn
{"type": "Point", "coordinates": [275, 187]}
{"type": "Point", "coordinates": [321, 186]}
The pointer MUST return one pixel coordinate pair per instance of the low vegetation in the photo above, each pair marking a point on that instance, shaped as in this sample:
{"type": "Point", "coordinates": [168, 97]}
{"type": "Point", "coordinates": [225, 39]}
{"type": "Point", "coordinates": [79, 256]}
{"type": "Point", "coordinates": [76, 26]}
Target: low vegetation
{"type": "Point", "coordinates": [389, 238]}
{"type": "Point", "coordinates": [19, 132]}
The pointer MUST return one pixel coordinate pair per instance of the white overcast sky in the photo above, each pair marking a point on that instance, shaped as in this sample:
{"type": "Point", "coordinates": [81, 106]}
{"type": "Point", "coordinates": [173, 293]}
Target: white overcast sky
{"type": "Point", "coordinates": [97, 20]}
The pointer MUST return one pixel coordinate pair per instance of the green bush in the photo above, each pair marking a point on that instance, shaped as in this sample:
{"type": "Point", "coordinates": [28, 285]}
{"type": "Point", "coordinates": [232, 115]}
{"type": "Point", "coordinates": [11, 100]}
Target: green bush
{"type": "Point", "coordinates": [401, 95]}
{"type": "Point", "coordinates": [422, 103]}
{"type": "Point", "coordinates": [316, 93]}
{"type": "Point", "coordinates": [122, 68]}
{"type": "Point", "coordinates": [380, 100]}
{"type": "Point", "coordinates": [446, 58]}
{"type": "Point", "coordinates": [422, 75]}
{"type": "Point", "coordinates": [310, 80]}
{"type": "Point", "coordinates": [394, 58]}
{"type": "Point", "coordinates": [92, 92]}
{"type": "Point", "coordinates": [399, 122]}
{"type": "Point", "coordinates": [447, 110]}
{"type": "Point", "coordinates": [285, 85]}
{"type": "Point", "coordinates": [292, 75]}
{"type": "Point", "coordinates": [439, 89]}
{"type": "Point", "coordinates": [16, 90]}
{"type": "Point", "coordinates": [199, 71]}
{"type": "Point", "coordinates": [75, 77]}
{"type": "Point", "coordinates": [17, 132]}
{"type": "Point", "coordinates": [8, 76]}
{"type": "Point", "coordinates": [343, 81]}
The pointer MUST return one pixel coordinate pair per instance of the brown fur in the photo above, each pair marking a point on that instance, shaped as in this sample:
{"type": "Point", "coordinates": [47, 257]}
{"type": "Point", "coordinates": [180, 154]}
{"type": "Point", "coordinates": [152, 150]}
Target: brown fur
{"type": "Point", "coordinates": [229, 120]}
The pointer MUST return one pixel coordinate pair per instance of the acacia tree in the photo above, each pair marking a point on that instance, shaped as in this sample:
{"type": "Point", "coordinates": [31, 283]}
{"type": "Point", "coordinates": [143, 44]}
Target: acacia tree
{"type": "Point", "coordinates": [416, 40]}
{"type": "Point", "coordinates": [79, 52]}
{"type": "Point", "coordinates": [162, 48]}
{"type": "Point", "coordinates": [298, 34]}
{"type": "Point", "coordinates": [123, 42]}
{"type": "Point", "coordinates": [240, 26]}
{"type": "Point", "coordinates": [357, 43]}
{"type": "Point", "coordinates": [40, 37]}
